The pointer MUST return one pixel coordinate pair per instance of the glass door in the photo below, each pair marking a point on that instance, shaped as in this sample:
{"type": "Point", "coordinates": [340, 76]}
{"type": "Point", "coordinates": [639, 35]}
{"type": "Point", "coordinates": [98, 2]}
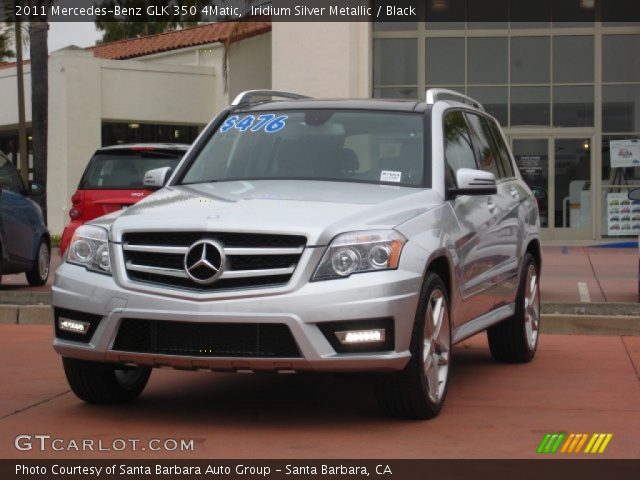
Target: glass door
{"type": "Point", "coordinates": [573, 205]}
{"type": "Point", "coordinates": [532, 158]}
{"type": "Point", "coordinates": [558, 171]}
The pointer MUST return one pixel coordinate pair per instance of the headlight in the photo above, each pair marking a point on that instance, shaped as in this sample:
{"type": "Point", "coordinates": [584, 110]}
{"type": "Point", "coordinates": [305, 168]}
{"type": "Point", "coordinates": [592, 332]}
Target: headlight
{"type": "Point", "coordinates": [358, 252]}
{"type": "Point", "coordinates": [89, 248]}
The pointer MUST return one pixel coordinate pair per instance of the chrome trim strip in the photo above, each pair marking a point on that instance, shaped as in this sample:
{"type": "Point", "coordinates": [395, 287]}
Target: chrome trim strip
{"type": "Point", "coordinates": [227, 274]}
{"type": "Point", "coordinates": [263, 251]}
{"type": "Point", "coordinates": [228, 251]}
{"type": "Point", "coordinates": [167, 272]}
{"type": "Point", "coordinates": [156, 249]}
{"type": "Point", "coordinates": [483, 322]}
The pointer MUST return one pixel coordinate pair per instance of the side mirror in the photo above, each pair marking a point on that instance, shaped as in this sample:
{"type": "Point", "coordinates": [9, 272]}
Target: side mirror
{"type": "Point", "coordinates": [35, 190]}
{"type": "Point", "coordinates": [157, 177]}
{"type": "Point", "coordinates": [475, 182]}
{"type": "Point", "coordinates": [634, 194]}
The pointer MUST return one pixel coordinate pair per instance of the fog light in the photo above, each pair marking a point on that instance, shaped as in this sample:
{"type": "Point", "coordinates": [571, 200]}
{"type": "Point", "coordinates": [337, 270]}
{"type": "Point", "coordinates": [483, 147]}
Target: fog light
{"type": "Point", "coordinates": [361, 336]}
{"type": "Point", "coordinates": [75, 326]}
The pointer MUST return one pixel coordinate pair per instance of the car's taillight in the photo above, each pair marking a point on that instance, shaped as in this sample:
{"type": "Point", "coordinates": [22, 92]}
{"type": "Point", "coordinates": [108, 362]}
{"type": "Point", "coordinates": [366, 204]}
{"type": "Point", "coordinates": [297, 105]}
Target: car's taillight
{"type": "Point", "coordinates": [75, 198]}
{"type": "Point", "coordinates": [74, 213]}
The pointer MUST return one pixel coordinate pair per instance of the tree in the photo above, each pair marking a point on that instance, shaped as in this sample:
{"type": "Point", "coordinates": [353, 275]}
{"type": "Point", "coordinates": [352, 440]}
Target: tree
{"type": "Point", "coordinates": [134, 26]}
{"type": "Point", "coordinates": [6, 53]}
{"type": "Point", "coordinates": [39, 52]}
{"type": "Point", "coordinates": [22, 123]}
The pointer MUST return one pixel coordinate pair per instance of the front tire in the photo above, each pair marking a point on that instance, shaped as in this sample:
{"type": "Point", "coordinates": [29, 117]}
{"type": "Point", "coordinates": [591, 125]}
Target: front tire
{"type": "Point", "coordinates": [103, 383]}
{"type": "Point", "coordinates": [515, 339]}
{"type": "Point", "coordinates": [419, 390]}
{"type": "Point", "coordinates": [39, 273]}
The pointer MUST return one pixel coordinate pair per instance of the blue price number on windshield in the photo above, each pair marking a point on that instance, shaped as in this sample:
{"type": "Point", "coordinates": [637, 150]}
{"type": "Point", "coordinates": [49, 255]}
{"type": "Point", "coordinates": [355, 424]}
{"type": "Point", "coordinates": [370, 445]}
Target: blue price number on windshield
{"type": "Point", "coordinates": [267, 122]}
{"type": "Point", "coordinates": [262, 121]}
{"type": "Point", "coordinates": [229, 123]}
{"type": "Point", "coordinates": [276, 124]}
{"type": "Point", "coordinates": [244, 124]}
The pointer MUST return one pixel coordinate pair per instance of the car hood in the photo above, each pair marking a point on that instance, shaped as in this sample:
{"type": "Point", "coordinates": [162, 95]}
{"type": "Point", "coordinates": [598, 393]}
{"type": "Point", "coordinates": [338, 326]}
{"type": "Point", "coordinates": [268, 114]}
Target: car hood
{"type": "Point", "coordinates": [318, 210]}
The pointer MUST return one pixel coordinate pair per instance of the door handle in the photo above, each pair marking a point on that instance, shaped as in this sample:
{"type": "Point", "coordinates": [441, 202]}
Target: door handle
{"type": "Point", "coordinates": [514, 193]}
{"type": "Point", "coordinates": [491, 205]}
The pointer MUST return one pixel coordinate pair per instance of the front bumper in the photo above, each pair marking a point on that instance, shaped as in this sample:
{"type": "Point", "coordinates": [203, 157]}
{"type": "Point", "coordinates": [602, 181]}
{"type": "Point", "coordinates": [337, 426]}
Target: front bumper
{"type": "Point", "coordinates": [302, 306]}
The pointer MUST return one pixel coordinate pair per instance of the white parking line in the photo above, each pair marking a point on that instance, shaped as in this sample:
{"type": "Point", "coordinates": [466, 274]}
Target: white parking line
{"type": "Point", "coordinates": [583, 290]}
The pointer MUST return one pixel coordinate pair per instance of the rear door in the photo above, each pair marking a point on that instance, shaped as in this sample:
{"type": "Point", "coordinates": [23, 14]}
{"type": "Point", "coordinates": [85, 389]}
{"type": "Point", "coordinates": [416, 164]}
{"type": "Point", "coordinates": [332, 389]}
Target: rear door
{"type": "Point", "coordinates": [16, 214]}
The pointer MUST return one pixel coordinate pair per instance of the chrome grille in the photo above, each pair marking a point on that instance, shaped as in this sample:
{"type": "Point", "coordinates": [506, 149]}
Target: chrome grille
{"type": "Point", "coordinates": [251, 260]}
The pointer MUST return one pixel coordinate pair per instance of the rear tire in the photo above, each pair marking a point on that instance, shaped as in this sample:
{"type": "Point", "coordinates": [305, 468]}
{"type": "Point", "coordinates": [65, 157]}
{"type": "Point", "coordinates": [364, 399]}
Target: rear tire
{"type": "Point", "coordinates": [103, 383]}
{"type": "Point", "coordinates": [419, 390]}
{"type": "Point", "coordinates": [515, 339]}
{"type": "Point", "coordinates": [39, 273]}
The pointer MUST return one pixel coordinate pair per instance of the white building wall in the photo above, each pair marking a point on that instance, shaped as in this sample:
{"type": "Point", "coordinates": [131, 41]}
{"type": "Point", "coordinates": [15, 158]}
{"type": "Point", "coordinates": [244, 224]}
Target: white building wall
{"type": "Point", "coordinates": [84, 91]}
{"type": "Point", "coordinates": [9, 97]}
{"type": "Point", "coordinates": [330, 60]}
{"type": "Point", "coordinates": [151, 92]}
{"type": "Point", "coordinates": [250, 65]}
{"type": "Point", "coordinates": [74, 127]}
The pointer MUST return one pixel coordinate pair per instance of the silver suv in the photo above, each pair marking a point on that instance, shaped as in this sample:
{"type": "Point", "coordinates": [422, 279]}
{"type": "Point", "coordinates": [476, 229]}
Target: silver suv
{"type": "Point", "coordinates": [311, 235]}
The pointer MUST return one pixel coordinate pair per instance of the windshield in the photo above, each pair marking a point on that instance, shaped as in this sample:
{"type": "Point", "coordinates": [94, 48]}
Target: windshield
{"type": "Point", "coordinates": [125, 170]}
{"type": "Point", "coordinates": [355, 146]}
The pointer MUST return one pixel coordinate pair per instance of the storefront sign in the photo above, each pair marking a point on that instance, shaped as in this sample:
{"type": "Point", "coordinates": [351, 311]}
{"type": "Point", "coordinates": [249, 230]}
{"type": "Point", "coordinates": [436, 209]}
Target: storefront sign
{"type": "Point", "coordinates": [625, 153]}
{"type": "Point", "coordinates": [623, 215]}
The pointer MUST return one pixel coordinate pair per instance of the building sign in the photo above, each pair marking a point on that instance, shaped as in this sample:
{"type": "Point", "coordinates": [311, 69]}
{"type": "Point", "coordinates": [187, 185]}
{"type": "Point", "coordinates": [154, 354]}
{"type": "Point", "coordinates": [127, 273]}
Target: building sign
{"type": "Point", "coordinates": [623, 215]}
{"type": "Point", "coordinates": [625, 153]}
{"type": "Point", "coordinates": [533, 169]}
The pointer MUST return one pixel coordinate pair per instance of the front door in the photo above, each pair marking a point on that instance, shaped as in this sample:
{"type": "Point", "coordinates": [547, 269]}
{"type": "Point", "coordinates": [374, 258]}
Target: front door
{"type": "Point", "coordinates": [558, 171]}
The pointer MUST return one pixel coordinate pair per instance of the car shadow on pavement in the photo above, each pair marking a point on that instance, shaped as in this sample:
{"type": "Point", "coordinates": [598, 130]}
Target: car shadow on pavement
{"type": "Point", "coordinates": [265, 399]}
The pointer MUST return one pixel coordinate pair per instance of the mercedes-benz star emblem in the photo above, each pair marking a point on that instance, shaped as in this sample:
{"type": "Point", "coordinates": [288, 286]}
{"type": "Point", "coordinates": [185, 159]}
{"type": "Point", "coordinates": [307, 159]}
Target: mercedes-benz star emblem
{"type": "Point", "coordinates": [204, 261]}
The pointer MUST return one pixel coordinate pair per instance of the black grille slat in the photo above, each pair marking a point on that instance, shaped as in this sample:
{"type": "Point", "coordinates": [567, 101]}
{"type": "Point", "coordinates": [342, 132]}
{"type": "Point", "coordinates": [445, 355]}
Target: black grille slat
{"type": "Point", "coordinates": [206, 339]}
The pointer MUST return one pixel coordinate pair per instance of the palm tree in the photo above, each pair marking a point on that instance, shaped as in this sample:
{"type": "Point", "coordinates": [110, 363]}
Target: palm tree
{"type": "Point", "coordinates": [5, 49]}
{"type": "Point", "coordinates": [39, 51]}
{"type": "Point", "coordinates": [22, 124]}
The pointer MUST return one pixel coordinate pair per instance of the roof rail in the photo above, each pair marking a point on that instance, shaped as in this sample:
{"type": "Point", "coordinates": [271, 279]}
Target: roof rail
{"type": "Point", "coordinates": [250, 95]}
{"type": "Point", "coordinates": [435, 94]}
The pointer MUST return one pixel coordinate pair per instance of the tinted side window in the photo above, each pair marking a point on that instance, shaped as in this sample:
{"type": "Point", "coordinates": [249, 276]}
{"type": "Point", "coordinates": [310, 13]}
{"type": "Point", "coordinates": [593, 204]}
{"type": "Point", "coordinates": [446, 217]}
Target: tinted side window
{"type": "Point", "coordinates": [9, 177]}
{"type": "Point", "coordinates": [487, 159]}
{"type": "Point", "coordinates": [502, 151]}
{"type": "Point", "coordinates": [458, 149]}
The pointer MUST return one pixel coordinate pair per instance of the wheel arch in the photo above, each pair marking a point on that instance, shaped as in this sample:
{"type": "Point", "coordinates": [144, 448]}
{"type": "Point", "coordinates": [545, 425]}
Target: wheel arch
{"type": "Point", "coordinates": [533, 248]}
{"type": "Point", "coordinates": [440, 264]}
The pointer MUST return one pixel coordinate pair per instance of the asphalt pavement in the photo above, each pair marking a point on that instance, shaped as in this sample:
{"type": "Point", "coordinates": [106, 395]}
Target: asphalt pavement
{"type": "Point", "coordinates": [576, 384]}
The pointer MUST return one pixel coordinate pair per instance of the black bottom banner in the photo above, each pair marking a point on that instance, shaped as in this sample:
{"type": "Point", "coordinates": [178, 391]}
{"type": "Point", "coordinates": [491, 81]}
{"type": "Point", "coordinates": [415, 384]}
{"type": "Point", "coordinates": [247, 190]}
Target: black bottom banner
{"type": "Point", "coordinates": [320, 469]}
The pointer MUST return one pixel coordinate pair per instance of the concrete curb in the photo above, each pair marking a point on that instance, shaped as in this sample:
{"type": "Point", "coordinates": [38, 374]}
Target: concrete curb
{"type": "Point", "coordinates": [25, 298]}
{"type": "Point", "coordinates": [26, 315]}
{"type": "Point", "coordinates": [559, 324]}
{"type": "Point", "coordinates": [595, 308]}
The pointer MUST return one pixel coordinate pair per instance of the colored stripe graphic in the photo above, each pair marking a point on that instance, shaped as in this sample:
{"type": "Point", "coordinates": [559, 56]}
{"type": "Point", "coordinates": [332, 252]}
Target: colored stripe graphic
{"type": "Point", "coordinates": [573, 443]}
{"type": "Point", "coordinates": [551, 442]}
{"type": "Point", "coordinates": [598, 443]}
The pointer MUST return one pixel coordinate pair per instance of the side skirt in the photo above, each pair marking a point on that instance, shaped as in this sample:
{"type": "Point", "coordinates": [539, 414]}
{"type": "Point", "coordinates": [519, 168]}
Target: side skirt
{"type": "Point", "coordinates": [483, 322]}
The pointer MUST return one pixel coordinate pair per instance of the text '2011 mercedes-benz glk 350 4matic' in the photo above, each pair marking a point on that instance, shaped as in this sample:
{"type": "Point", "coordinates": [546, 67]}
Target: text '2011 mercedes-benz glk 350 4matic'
{"type": "Point", "coordinates": [300, 234]}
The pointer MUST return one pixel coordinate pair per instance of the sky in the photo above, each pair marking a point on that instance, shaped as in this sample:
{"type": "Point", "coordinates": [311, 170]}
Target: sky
{"type": "Point", "coordinates": [63, 34]}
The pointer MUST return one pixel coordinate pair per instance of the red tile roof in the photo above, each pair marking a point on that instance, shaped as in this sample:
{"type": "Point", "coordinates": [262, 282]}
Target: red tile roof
{"type": "Point", "coordinates": [174, 40]}
{"type": "Point", "coordinates": [163, 42]}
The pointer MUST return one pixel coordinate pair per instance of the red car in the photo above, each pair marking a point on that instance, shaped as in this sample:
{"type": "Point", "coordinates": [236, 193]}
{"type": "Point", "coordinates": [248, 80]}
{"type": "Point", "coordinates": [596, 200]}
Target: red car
{"type": "Point", "coordinates": [113, 180]}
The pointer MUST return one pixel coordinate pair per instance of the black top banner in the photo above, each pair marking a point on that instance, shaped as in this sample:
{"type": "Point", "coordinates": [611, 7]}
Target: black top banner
{"type": "Point", "coordinates": [496, 13]}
